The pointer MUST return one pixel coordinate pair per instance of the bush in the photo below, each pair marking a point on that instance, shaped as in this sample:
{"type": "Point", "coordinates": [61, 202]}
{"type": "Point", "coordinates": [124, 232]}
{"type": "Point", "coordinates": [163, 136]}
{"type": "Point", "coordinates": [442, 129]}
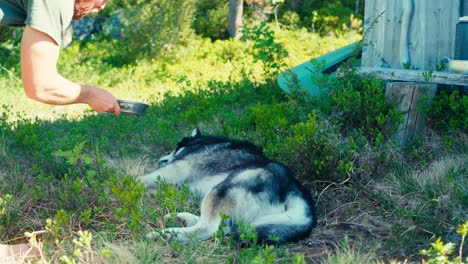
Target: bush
{"type": "Point", "coordinates": [361, 104]}
{"type": "Point", "coordinates": [155, 26]}
{"type": "Point", "coordinates": [310, 146]}
{"type": "Point", "coordinates": [266, 49]}
{"type": "Point", "coordinates": [291, 20]}
{"type": "Point", "coordinates": [334, 18]}
{"type": "Point", "coordinates": [211, 19]}
{"type": "Point", "coordinates": [318, 152]}
{"type": "Point", "coordinates": [449, 112]}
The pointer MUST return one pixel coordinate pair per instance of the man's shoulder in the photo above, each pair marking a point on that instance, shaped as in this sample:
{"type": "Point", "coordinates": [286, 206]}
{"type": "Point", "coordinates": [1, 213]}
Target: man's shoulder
{"type": "Point", "coordinates": [52, 17]}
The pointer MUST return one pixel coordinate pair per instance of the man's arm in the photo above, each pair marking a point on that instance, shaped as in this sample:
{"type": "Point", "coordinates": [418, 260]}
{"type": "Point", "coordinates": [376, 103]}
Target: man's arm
{"type": "Point", "coordinates": [42, 82]}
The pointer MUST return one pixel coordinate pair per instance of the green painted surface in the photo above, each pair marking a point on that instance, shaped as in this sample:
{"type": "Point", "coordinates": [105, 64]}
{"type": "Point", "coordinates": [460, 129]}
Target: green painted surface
{"type": "Point", "coordinates": [306, 73]}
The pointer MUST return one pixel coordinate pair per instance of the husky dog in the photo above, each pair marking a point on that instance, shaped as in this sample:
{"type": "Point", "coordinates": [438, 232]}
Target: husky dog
{"type": "Point", "coordinates": [235, 179]}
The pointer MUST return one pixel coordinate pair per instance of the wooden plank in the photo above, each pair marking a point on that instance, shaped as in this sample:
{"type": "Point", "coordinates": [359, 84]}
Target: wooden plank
{"type": "Point", "coordinates": [407, 98]}
{"type": "Point", "coordinates": [431, 32]}
{"type": "Point", "coordinates": [416, 76]}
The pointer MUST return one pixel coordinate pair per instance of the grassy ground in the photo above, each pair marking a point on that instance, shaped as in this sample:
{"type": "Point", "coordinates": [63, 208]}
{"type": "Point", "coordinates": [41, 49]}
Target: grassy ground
{"type": "Point", "coordinates": [76, 168]}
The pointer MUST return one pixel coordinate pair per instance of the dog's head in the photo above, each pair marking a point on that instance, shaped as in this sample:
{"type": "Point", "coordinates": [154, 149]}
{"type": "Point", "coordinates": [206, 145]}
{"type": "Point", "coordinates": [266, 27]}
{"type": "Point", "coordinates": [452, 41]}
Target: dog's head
{"type": "Point", "coordinates": [181, 148]}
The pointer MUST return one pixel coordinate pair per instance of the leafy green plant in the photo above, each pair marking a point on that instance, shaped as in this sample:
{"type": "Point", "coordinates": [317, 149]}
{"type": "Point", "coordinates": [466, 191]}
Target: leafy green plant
{"type": "Point", "coordinates": [266, 50]}
{"type": "Point", "coordinates": [318, 152]}
{"type": "Point", "coordinates": [428, 75]}
{"type": "Point", "coordinates": [449, 112]}
{"type": "Point", "coordinates": [4, 203]}
{"type": "Point", "coordinates": [361, 104]}
{"type": "Point", "coordinates": [440, 252]}
{"type": "Point", "coordinates": [334, 18]}
{"type": "Point", "coordinates": [152, 27]}
{"type": "Point", "coordinates": [211, 19]}
{"type": "Point", "coordinates": [291, 20]}
{"type": "Point", "coordinates": [128, 193]}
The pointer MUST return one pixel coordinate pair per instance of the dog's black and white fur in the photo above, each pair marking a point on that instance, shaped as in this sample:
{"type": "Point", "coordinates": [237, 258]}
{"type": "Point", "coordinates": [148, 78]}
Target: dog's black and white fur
{"type": "Point", "coordinates": [235, 179]}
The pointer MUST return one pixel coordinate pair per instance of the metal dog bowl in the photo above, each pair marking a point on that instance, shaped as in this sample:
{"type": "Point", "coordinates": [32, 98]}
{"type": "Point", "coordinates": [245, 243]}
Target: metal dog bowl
{"type": "Point", "coordinates": [132, 108]}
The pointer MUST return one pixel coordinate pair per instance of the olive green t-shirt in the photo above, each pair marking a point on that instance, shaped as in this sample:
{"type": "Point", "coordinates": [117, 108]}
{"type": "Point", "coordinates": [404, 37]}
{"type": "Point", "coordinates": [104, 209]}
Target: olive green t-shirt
{"type": "Point", "coordinates": [49, 16]}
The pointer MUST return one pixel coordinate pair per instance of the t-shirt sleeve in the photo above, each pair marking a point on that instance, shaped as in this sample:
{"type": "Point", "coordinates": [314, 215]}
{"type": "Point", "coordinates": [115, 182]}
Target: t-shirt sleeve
{"type": "Point", "coordinates": [50, 16]}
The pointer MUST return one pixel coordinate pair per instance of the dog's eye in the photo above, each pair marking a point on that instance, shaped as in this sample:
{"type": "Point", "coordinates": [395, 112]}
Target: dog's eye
{"type": "Point", "coordinates": [163, 162]}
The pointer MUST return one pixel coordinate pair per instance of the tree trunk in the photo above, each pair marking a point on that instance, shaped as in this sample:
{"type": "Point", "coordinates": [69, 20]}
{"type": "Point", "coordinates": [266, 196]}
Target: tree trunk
{"type": "Point", "coordinates": [356, 10]}
{"type": "Point", "coordinates": [236, 9]}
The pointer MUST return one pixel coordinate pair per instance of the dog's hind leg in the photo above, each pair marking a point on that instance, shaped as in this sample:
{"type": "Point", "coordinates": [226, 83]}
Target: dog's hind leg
{"type": "Point", "coordinates": [184, 219]}
{"type": "Point", "coordinates": [207, 224]}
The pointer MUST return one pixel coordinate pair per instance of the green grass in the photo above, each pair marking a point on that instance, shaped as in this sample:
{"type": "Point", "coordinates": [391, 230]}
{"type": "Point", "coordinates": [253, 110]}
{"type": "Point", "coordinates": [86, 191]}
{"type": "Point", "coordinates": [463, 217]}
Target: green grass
{"type": "Point", "coordinates": [78, 168]}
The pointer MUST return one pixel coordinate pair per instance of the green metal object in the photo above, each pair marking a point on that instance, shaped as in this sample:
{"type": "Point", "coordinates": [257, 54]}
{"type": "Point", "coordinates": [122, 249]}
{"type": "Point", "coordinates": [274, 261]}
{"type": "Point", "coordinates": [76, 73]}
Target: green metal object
{"type": "Point", "coordinates": [306, 74]}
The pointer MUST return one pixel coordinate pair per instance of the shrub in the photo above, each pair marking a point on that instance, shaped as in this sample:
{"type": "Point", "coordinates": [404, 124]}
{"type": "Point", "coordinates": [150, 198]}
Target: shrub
{"type": "Point", "coordinates": [291, 20]}
{"type": "Point", "coordinates": [318, 152]}
{"type": "Point", "coordinates": [302, 140]}
{"type": "Point", "coordinates": [266, 50]}
{"type": "Point", "coordinates": [211, 19]}
{"type": "Point", "coordinates": [334, 18]}
{"type": "Point", "coordinates": [449, 112]}
{"type": "Point", "coordinates": [361, 104]}
{"type": "Point", "coordinates": [154, 26]}
{"type": "Point", "coordinates": [441, 252]}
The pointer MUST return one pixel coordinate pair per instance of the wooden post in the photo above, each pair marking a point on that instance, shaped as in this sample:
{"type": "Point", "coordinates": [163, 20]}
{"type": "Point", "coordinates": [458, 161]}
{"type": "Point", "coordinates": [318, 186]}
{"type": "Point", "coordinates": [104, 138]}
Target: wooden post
{"type": "Point", "coordinates": [407, 97]}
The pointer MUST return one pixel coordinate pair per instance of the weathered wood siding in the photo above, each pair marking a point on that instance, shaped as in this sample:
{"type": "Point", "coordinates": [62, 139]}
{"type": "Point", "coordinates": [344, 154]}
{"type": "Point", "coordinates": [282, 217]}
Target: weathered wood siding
{"type": "Point", "coordinates": [430, 38]}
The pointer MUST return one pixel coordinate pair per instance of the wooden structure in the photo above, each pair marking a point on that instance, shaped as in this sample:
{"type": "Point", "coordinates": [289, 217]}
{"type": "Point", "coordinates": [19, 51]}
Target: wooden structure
{"type": "Point", "coordinates": [416, 76]}
{"type": "Point", "coordinates": [407, 40]}
{"type": "Point", "coordinates": [407, 96]}
{"type": "Point", "coordinates": [412, 33]}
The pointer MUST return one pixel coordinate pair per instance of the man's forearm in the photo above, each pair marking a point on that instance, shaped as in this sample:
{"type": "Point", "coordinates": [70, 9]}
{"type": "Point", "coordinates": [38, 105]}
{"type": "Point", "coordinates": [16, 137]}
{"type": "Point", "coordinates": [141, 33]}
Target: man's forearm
{"type": "Point", "coordinates": [59, 91]}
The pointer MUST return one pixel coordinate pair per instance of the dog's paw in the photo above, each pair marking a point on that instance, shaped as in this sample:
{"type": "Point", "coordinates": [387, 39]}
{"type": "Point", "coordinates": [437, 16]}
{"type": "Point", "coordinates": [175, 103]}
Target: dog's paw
{"type": "Point", "coordinates": [176, 221]}
{"type": "Point", "coordinates": [153, 235]}
{"type": "Point", "coordinates": [183, 219]}
{"type": "Point", "coordinates": [167, 234]}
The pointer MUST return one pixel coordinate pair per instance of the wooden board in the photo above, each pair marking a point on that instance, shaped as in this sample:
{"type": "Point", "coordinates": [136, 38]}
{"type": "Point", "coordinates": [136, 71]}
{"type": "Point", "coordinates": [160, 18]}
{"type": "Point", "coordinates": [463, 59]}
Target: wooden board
{"type": "Point", "coordinates": [431, 32]}
{"type": "Point", "coordinates": [416, 76]}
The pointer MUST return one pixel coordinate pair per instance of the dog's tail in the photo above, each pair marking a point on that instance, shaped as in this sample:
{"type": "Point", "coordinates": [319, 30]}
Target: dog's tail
{"type": "Point", "coordinates": [280, 228]}
{"type": "Point", "coordinates": [280, 233]}
{"type": "Point", "coordinates": [274, 234]}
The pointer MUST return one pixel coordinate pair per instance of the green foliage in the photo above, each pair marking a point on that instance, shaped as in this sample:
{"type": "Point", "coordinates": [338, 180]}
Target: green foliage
{"type": "Point", "coordinates": [440, 252]}
{"type": "Point", "coordinates": [291, 20]}
{"type": "Point", "coordinates": [5, 217]}
{"type": "Point", "coordinates": [211, 19]}
{"type": "Point", "coordinates": [4, 203]}
{"type": "Point", "coordinates": [170, 198]}
{"type": "Point", "coordinates": [361, 104]}
{"type": "Point", "coordinates": [334, 18]}
{"type": "Point", "coordinates": [449, 112]}
{"type": "Point", "coordinates": [5, 33]}
{"type": "Point", "coordinates": [266, 50]}
{"type": "Point", "coordinates": [312, 147]}
{"type": "Point", "coordinates": [152, 27]}
{"type": "Point", "coordinates": [129, 194]}
{"type": "Point", "coordinates": [318, 151]}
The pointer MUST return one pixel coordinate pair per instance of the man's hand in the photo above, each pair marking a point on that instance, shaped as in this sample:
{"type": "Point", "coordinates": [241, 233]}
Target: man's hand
{"type": "Point", "coordinates": [42, 82]}
{"type": "Point", "coordinates": [100, 100]}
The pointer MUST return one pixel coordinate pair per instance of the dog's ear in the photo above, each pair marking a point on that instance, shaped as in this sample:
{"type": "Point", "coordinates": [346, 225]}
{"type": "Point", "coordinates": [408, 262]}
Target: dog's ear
{"type": "Point", "coordinates": [196, 132]}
